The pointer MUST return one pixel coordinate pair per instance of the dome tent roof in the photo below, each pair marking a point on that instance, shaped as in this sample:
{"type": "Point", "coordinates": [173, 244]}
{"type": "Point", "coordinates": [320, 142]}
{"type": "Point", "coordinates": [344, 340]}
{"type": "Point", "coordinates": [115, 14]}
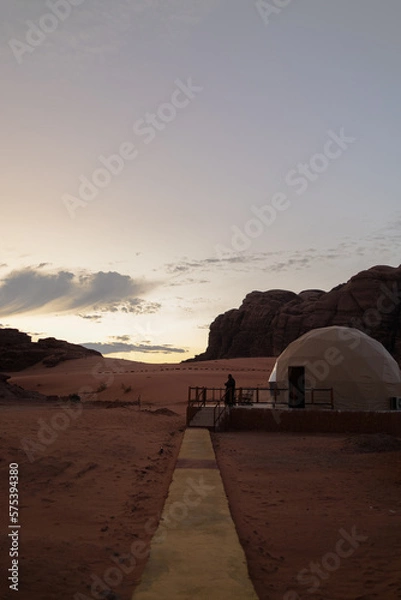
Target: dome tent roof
{"type": "Point", "coordinates": [362, 373]}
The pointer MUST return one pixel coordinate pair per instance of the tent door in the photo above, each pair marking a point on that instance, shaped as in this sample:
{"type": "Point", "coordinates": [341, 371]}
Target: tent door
{"type": "Point", "coordinates": [296, 387]}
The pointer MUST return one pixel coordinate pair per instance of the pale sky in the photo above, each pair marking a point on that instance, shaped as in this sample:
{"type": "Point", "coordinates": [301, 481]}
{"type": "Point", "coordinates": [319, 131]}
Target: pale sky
{"type": "Point", "coordinates": [258, 148]}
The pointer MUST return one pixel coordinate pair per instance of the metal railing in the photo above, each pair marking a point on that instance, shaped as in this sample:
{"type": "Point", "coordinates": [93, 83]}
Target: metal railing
{"type": "Point", "coordinates": [271, 397]}
{"type": "Point", "coordinates": [323, 397]}
{"type": "Point", "coordinates": [200, 396]}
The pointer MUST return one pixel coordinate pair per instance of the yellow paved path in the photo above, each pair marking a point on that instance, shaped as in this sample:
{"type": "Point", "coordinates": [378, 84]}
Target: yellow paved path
{"type": "Point", "coordinates": [195, 552]}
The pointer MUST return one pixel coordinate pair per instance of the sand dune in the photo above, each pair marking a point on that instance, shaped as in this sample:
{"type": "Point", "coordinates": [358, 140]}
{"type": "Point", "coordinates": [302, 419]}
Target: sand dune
{"type": "Point", "coordinates": [156, 384]}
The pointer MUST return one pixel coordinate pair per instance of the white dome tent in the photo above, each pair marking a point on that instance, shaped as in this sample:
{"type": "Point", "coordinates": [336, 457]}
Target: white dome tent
{"type": "Point", "coordinates": [361, 372]}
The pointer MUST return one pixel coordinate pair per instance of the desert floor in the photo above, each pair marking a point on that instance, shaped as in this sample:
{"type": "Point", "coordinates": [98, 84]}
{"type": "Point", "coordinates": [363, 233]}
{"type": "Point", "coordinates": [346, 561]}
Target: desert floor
{"type": "Point", "coordinates": [93, 480]}
{"type": "Point", "coordinates": [292, 496]}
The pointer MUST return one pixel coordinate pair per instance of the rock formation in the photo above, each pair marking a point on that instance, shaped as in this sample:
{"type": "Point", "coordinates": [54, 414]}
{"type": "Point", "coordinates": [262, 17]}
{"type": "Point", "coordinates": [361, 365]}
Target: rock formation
{"type": "Point", "coordinates": [267, 322]}
{"type": "Point", "coordinates": [11, 392]}
{"type": "Point", "coordinates": [17, 351]}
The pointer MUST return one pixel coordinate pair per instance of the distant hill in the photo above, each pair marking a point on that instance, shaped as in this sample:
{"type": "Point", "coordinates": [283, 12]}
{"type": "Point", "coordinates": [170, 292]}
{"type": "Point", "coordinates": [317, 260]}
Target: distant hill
{"type": "Point", "coordinates": [267, 322]}
{"type": "Point", "coordinates": [17, 351]}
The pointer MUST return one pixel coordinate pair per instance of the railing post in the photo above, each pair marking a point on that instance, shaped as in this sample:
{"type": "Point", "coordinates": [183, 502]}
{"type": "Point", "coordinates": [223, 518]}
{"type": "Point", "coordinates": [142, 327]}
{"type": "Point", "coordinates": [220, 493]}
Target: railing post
{"type": "Point", "coordinates": [257, 395]}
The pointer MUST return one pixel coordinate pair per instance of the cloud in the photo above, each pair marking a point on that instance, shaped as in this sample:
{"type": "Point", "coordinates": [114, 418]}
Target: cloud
{"type": "Point", "coordinates": [121, 338]}
{"type": "Point", "coordinates": [96, 318]}
{"type": "Point", "coordinates": [188, 281]}
{"type": "Point", "coordinates": [235, 262]}
{"type": "Point", "coordinates": [205, 264]}
{"type": "Point", "coordinates": [377, 246]}
{"type": "Point", "coordinates": [298, 263]}
{"type": "Point", "coordinates": [304, 259]}
{"type": "Point", "coordinates": [29, 290]}
{"type": "Point", "coordinates": [113, 347]}
{"type": "Point", "coordinates": [273, 261]}
{"type": "Point", "coordinates": [133, 305]}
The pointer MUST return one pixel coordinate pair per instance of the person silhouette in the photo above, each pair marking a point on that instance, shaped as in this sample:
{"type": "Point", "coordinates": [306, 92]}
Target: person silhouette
{"type": "Point", "coordinates": [229, 398]}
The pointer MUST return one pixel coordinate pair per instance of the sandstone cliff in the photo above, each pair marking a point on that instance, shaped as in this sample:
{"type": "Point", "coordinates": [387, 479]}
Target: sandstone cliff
{"type": "Point", "coordinates": [267, 322]}
{"type": "Point", "coordinates": [17, 351]}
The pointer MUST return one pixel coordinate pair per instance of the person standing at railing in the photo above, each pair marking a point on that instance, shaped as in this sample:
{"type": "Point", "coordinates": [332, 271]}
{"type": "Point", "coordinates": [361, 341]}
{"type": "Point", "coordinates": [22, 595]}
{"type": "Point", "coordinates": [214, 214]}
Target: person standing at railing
{"type": "Point", "coordinates": [229, 398]}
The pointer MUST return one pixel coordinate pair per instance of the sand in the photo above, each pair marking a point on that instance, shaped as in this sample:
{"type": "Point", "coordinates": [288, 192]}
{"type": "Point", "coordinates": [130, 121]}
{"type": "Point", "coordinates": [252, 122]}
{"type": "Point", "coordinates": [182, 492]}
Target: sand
{"type": "Point", "coordinates": [93, 480]}
{"type": "Point", "coordinates": [292, 498]}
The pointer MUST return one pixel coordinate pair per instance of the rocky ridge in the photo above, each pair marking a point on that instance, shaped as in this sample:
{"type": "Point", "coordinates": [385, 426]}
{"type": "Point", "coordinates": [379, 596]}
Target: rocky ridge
{"type": "Point", "coordinates": [17, 351]}
{"type": "Point", "coordinates": [267, 322]}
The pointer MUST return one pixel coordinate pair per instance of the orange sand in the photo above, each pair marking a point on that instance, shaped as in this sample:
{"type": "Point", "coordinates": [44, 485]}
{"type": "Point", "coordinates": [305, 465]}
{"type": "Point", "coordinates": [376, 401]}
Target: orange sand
{"type": "Point", "coordinates": [292, 496]}
{"type": "Point", "coordinates": [93, 487]}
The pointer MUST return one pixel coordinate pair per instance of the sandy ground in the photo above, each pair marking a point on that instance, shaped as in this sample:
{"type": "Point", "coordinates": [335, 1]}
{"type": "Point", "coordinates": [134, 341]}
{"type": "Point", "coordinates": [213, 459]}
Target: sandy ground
{"type": "Point", "coordinates": [92, 484]}
{"type": "Point", "coordinates": [87, 494]}
{"type": "Point", "coordinates": [292, 498]}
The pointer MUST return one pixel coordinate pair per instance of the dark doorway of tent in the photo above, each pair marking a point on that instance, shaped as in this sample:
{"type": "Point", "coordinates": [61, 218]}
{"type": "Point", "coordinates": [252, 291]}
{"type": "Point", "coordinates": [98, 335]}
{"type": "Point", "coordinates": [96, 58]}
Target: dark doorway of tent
{"type": "Point", "coordinates": [296, 387]}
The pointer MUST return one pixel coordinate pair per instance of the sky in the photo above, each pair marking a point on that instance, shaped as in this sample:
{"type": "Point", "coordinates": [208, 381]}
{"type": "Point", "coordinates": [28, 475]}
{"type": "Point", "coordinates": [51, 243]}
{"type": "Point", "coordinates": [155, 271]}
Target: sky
{"type": "Point", "coordinates": [161, 159]}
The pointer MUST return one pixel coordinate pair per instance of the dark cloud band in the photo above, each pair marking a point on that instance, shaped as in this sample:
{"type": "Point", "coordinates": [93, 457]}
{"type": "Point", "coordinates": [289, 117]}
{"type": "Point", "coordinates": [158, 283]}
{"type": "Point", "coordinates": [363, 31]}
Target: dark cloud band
{"type": "Point", "coordinates": [31, 290]}
{"type": "Point", "coordinates": [113, 347]}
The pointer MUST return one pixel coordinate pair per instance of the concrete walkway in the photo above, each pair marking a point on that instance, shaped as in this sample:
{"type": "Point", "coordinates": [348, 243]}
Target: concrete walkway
{"type": "Point", "coordinates": [195, 552]}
